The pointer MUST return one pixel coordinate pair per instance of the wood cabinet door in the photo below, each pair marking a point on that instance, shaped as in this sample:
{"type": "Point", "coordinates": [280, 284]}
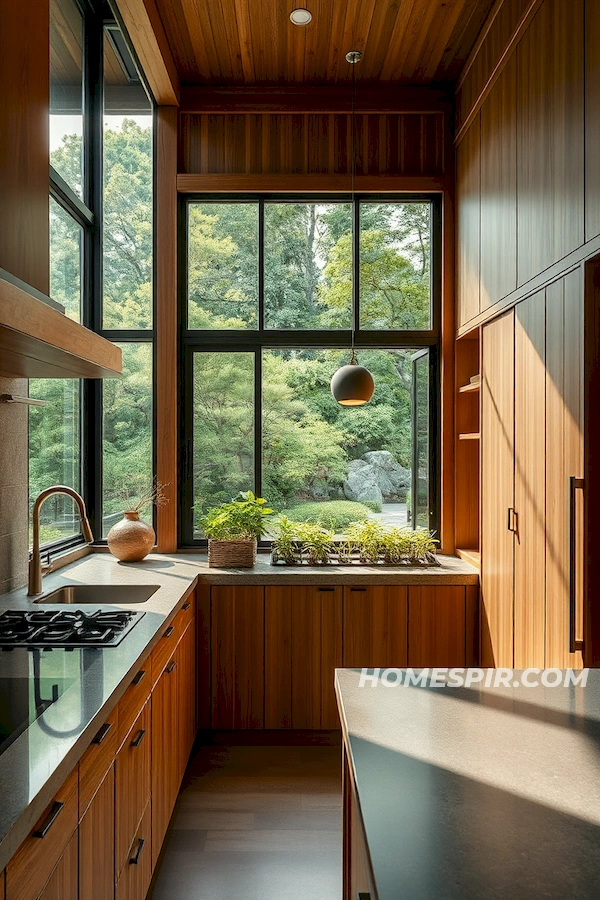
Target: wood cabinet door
{"type": "Point", "coordinates": [132, 790]}
{"type": "Point", "coordinates": [564, 460]}
{"type": "Point", "coordinates": [530, 482]}
{"type": "Point", "coordinates": [186, 694]}
{"type": "Point", "coordinates": [166, 754]}
{"type": "Point", "coordinates": [437, 626]}
{"type": "Point", "coordinates": [63, 883]}
{"type": "Point", "coordinates": [135, 878]}
{"type": "Point", "coordinates": [497, 490]}
{"type": "Point", "coordinates": [303, 646]}
{"type": "Point", "coordinates": [375, 626]}
{"type": "Point", "coordinates": [97, 844]}
{"type": "Point", "coordinates": [468, 192]}
{"type": "Point", "coordinates": [237, 656]}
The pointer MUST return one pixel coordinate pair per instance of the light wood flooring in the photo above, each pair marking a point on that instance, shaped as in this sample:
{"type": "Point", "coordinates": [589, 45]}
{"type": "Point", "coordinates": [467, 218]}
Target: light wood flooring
{"type": "Point", "coordinates": [258, 823]}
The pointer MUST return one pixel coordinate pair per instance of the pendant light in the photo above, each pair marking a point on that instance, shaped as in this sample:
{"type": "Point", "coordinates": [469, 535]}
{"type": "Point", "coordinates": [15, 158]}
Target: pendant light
{"type": "Point", "coordinates": [353, 385]}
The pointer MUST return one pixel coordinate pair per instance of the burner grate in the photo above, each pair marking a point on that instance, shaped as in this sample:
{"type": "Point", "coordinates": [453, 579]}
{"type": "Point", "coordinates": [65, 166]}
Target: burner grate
{"type": "Point", "coordinates": [65, 628]}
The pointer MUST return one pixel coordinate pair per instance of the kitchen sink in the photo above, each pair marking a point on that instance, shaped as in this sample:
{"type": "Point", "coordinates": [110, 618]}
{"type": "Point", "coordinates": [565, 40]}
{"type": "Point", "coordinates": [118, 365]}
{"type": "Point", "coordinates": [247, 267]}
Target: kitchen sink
{"type": "Point", "coordinates": [100, 594]}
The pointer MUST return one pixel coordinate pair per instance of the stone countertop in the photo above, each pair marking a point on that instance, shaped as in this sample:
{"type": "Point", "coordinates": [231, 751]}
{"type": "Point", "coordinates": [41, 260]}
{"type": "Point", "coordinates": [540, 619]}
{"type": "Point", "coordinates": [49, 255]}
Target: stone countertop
{"type": "Point", "coordinates": [37, 763]}
{"type": "Point", "coordinates": [470, 793]}
{"type": "Point", "coordinates": [450, 571]}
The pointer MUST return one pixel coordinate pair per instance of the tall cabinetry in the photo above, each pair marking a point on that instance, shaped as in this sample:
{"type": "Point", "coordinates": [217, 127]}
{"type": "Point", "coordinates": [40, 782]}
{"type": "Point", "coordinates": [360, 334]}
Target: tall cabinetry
{"type": "Point", "coordinates": [532, 449]}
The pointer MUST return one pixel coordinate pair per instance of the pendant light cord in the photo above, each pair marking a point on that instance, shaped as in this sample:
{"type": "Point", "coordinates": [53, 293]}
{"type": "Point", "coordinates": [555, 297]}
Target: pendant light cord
{"type": "Point", "coordinates": [352, 191]}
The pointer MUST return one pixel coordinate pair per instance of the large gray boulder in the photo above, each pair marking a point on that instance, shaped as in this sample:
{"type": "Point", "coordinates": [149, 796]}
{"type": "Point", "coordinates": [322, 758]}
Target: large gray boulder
{"type": "Point", "coordinates": [377, 477]}
{"type": "Point", "coordinates": [361, 483]}
{"type": "Point", "coordinates": [393, 479]}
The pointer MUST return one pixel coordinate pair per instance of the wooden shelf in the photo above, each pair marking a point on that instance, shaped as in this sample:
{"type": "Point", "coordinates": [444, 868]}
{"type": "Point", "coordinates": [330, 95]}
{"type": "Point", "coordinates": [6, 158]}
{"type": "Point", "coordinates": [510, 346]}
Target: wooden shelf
{"type": "Point", "coordinates": [470, 556]}
{"type": "Point", "coordinates": [37, 341]}
{"type": "Point", "coordinates": [474, 436]}
{"type": "Point", "coordinates": [469, 388]}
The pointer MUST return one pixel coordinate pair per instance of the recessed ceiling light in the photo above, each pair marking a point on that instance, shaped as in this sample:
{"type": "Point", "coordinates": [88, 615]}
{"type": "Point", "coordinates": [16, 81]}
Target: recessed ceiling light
{"type": "Point", "coordinates": [300, 16]}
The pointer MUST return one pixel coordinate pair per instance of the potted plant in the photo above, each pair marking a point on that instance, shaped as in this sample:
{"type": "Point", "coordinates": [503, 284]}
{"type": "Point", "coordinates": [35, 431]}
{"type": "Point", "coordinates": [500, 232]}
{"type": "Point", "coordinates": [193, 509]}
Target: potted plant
{"type": "Point", "coordinates": [369, 538]}
{"type": "Point", "coordinates": [285, 543]}
{"type": "Point", "coordinates": [233, 529]}
{"type": "Point", "coordinates": [317, 543]}
{"type": "Point", "coordinates": [132, 539]}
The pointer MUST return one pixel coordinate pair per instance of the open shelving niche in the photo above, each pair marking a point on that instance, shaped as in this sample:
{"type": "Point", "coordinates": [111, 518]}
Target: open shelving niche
{"type": "Point", "coordinates": [467, 456]}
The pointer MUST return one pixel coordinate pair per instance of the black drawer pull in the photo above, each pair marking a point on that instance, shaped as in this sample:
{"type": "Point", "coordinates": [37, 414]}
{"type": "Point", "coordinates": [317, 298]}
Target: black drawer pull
{"type": "Point", "coordinates": [169, 631]}
{"type": "Point", "coordinates": [186, 605]}
{"type": "Point", "coordinates": [138, 738]}
{"type": "Point", "coordinates": [358, 591]}
{"type": "Point", "coordinates": [102, 733]}
{"type": "Point", "coordinates": [136, 857]}
{"type": "Point", "coordinates": [363, 895]}
{"type": "Point", "coordinates": [139, 676]}
{"type": "Point", "coordinates": [49, 820]}
{"type": "Point", "coordinates": [323, 590]}
{"type": "Point", "coordinates": [170, 667]}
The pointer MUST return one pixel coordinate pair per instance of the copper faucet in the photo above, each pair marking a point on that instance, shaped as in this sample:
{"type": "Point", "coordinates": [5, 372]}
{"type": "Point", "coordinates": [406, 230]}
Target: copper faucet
{"type": "Point", "coordinates": [36, 571]}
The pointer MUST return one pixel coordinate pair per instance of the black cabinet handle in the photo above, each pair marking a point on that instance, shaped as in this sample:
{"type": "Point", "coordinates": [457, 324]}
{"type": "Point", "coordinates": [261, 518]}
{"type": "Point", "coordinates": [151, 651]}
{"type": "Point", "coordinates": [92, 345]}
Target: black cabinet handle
{"type": "Point", "coordinates": [575, 484]}
{"type": "Point", "coordinates": [136, 857]}
{"type": "Point", "coordinates": [186, 605]}
{"type": "Point", "coordinates": [326, 590]}
{"type": "Point", "coordinates": [358, 591]}
{"type": "Point", "coordinates": [363, 895]}
{"type": "Point", "coordinates": [170, 667]}
{"type": "Point", "coordinates": [49, 821]}
{"type": "Point", "coordinates": [169, 631]}
{"type": "Point", "coordinates": [139, 676]}
{"type": "Point", "coordinates": [102, 733]}
{"type": "Point", "coordinates": [138, 738]}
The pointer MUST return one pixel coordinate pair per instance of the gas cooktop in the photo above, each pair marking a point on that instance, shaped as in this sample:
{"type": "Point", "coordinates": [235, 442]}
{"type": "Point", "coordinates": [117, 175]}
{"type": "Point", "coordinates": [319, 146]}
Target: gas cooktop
{"type": "Point", "coordinates": [65, 628]}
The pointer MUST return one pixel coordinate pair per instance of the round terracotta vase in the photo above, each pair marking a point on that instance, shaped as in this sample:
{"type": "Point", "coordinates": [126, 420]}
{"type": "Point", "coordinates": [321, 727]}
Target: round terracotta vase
{"type": "Point", "coordinates": [131, 539]}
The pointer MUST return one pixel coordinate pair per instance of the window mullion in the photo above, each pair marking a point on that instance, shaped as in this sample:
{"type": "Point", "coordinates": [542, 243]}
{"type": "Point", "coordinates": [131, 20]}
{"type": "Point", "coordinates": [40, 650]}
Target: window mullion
{"type": "Point", "coordinates": [258, 422]}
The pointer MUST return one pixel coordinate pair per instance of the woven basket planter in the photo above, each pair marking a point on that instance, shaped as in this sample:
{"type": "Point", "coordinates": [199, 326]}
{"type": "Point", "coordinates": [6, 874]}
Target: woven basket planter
{"type": "Point", "coordinates": [234, 554]}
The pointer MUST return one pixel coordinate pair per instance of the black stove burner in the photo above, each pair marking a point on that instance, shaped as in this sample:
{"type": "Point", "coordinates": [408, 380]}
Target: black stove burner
{"type": "Point", "coordinates": [65, 628]}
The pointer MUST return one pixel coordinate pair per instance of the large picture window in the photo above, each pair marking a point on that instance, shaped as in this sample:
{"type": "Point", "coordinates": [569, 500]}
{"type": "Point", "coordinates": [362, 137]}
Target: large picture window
{"type": "Point", "coordinates": [268, 312]}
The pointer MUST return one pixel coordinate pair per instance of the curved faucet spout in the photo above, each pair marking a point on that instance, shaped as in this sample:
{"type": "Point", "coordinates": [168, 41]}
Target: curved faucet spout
{"type": "Point", "coordinates": [35, 563]}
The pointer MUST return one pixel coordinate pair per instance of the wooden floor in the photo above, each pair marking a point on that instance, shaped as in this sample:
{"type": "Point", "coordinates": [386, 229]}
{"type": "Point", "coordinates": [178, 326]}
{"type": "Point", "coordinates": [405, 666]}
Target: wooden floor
{"type": "Point", "coordinates": [258, 822]}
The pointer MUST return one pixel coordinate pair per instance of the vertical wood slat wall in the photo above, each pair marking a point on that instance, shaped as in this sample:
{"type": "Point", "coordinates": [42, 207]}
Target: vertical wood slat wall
{"type": "Point", "coordinates": [524, 118]}
{"type": "Point", "coordinates": [301, 144]}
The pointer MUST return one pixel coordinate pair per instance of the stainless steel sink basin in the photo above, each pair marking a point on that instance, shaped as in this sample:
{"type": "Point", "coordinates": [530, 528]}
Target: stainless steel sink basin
{"type": "Point", "coordinates": [100, 594]}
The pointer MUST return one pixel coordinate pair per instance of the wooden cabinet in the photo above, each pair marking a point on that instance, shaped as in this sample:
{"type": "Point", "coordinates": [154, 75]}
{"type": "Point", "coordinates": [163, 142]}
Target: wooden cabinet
{"type": "Point", "coordinates": [303, 646]}
{"type": "Point", "coordinates": [63, 883]}
{"type": "Point", "coordinates": [97, 843]}
{"type": "Point", "coordinates": [532, 446]}
{"type": "Point", "coordinates": [375, 626]}
{"type": "Point", "coordinates": [186, 695]}
{"type": "Point", "coordinates": [165, 752]}
{"type": "Point", "coordinates": [132, 790]}
{"type": "Point", "coordinates": [497, 490]}
{"type": "Point", "coordinates": [32, 865]}
{"type": "Point", "coordinates": [357, 874]}
{"type": "Point", "coordinates": [237, 656]}
{"type": "Point", "coordinates": [97, 760]}
{"type": "Point", "coordinates": [530, 481]}
{"type": "Point", "coordinates": [437, 627]}
{"type": "Point", "coordinates": [135, 878]}
{"type": "Point", "coordinates": [468, 187]}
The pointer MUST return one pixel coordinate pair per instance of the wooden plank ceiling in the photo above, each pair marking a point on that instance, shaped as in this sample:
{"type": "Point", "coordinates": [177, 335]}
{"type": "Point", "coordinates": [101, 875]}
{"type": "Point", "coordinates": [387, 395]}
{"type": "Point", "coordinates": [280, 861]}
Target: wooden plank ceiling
{"type": "Point", "coordinates": [253, 42]}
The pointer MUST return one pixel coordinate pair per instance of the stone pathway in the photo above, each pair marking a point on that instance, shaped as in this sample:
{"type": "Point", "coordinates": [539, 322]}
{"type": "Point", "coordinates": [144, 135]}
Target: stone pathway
{"type": "Point", "coordinates": [392, 514]}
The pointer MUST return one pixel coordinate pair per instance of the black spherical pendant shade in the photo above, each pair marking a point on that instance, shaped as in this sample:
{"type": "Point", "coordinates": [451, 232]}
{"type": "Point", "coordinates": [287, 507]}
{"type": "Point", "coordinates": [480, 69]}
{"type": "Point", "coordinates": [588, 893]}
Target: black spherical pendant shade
{"type": "Point", "coordinates": [352, 385]}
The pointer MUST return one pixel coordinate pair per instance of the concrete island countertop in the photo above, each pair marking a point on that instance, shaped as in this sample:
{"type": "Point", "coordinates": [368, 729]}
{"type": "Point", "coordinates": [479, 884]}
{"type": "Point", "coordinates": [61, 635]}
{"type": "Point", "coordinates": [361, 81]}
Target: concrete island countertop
{"type": "Point", "coordinates": [471, 793]}
{"type": "Point", "coordinates": [37, 763]}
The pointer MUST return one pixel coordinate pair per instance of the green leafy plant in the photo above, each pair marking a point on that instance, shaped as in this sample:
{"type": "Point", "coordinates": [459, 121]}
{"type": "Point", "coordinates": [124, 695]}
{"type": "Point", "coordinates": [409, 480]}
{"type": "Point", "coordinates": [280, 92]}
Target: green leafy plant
{"type": "Point", "coordinates": [285, 540]}
{"type": "Point", "coordinates": [369, 537]}
{"type": "Point", "coordinates": [396, 545]}
{"type": "Point", "coordinates": [422, 546]}
{"type": "Point", "coordinates": [317, 542]}
{"type": "Point", "coordinates": [241, 519]}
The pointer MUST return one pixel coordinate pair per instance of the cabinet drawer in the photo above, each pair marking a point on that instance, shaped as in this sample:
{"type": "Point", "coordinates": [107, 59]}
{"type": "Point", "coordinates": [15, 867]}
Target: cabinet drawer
{"type": "Point", "coordinates": [133, 700]}
{"type": "Point", "coordinates": [134, 880]}
{"type": "Point", "coordinates": [96, 761]}
{"type": "Point", "coordinates": [132, 790]}
{"type": "Point", "coordinates": [165, 648]}
{"type": "Point", "coordinates": [34, 861]}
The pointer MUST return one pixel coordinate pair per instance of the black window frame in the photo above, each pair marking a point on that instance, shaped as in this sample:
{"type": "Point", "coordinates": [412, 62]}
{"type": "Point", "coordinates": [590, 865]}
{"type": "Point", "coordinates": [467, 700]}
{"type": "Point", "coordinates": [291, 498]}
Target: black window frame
{"type": "Point", "coordinates": [258, 339]}
{"type": "Point", "coordinates": [98, 17]}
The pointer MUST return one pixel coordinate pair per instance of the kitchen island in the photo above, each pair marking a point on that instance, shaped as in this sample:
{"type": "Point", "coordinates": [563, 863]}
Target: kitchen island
{"type": "Point", "coordinates": [470, 793]}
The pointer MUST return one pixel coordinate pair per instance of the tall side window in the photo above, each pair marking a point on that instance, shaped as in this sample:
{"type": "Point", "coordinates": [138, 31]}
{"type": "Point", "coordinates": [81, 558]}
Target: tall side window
{"type": "Point", "coordinates": [101, 261]}
{"type": "Point", "coordinates": [268, 314]}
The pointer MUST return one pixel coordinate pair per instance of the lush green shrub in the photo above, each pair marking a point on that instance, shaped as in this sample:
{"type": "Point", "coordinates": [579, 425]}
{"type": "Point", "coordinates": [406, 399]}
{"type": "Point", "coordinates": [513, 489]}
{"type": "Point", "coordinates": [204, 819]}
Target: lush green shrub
{"type": "Point", "coordinates": [373, 505]}
{"type": "Point", "coordinates": [335, 514]}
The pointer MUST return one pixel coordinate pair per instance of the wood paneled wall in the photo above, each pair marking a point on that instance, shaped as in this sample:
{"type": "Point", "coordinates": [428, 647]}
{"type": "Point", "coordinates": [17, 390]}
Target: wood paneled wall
{"type": "Point", "coordinates": [310, 144]}
{"type": "Point", "coordinates": [527, 190]}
